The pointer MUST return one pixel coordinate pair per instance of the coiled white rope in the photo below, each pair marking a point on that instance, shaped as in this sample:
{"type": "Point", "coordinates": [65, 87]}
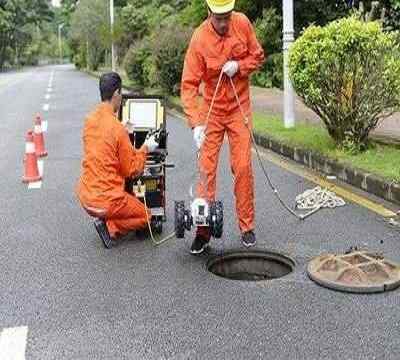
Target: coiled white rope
{"type": "Point", "coordinates": [318, 198]}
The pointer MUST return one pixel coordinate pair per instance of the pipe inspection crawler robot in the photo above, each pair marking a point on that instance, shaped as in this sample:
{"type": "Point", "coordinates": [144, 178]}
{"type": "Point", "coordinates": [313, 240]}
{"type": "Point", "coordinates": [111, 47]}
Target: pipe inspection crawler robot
{"type": "Point", "coordinates": [200, 213]}
{"type": "Point", "coordinates": [144, 116]}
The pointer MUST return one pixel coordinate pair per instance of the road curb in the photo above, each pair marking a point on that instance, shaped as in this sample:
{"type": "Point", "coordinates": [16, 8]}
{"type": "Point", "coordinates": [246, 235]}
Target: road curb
{"type": "Point", "coordinates": [370, 183]}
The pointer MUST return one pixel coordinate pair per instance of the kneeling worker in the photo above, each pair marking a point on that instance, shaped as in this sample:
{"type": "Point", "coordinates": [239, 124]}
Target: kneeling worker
{"type": "Point", "coordinates": [108, 159]}
{"type": "Point", "coordinates": [225, 42]}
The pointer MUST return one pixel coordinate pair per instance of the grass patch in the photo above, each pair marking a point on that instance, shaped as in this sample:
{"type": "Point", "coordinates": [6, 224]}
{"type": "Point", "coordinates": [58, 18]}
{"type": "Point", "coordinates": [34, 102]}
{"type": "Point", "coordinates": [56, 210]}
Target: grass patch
{"type": "Point", "coordinates": [381, 160]}
{"type": "Point", "coordinates": [305, 136]}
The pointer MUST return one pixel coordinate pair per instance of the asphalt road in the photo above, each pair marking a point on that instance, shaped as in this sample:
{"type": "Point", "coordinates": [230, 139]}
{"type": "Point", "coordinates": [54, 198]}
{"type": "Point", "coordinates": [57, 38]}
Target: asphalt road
{"type": "Point", "coordinates": [79, 301]}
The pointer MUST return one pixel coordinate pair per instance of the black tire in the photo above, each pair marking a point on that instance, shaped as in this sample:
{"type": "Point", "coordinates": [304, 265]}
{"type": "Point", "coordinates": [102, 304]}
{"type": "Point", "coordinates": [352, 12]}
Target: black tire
{"type": "Point", "coordinates": [158, 226]}
{"type": "Point", "coordinates": [188, 220]}
{"type": "Point", "coordinates": [217, 219]}
{"type": "Point", "coordinates": [180, 219]}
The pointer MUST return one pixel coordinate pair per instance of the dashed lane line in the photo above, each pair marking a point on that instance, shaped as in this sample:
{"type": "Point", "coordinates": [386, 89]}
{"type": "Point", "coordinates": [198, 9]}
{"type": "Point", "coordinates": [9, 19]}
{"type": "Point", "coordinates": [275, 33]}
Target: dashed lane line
{"type": "Point", "coordinates": [13, 343]}
{"type": "Point", "coordinates": [35, 185]}
{"type": "Point", "coordinates": [44, 126]}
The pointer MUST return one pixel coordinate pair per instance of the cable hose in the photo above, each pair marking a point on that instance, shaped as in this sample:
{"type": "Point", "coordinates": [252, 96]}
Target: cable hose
{"type": "Point", "coordinates": [168, 237]}
{"type": "Point", "coordinates": [274, 189]}
{"type": "Point", "coordinates": [153, 240]}
{"type": "Point", "coordinates": [260, 162]}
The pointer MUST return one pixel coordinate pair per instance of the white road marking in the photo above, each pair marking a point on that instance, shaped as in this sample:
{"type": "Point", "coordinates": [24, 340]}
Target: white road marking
{"type": "Point", "coordinates": [13, 343]}
{"type": "Point", "coordinates": [34, 186]}
{"type": "Point", "coordinates": [49, 89]}
{"type": "Point", "coordinates": [47, 97]}
{"type": "Point", "coordinates": [46, 107]}
{"type": "Point", "coordinates": [44, 126]}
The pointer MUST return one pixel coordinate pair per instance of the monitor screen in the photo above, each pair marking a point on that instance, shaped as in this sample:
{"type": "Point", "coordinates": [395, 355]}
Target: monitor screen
{"type": "Point", "coordinates": [143, 114]}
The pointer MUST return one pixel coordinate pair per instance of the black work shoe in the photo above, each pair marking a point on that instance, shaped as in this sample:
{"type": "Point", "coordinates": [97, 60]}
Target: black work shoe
{"type": "Point", "coordinates": [249, 239]}
{"type": "Point", "coordinates": [102, 230]}
{"type": "Point", "coordinates": [199, 244]}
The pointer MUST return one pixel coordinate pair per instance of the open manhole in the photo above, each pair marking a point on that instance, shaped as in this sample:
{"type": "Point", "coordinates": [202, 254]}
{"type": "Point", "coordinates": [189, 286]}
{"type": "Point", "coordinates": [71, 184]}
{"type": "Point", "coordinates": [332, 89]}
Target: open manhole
{"type": "Point", "coordinates": [251, 265]}
{"type": "Point", "coordinates": [357, 271]}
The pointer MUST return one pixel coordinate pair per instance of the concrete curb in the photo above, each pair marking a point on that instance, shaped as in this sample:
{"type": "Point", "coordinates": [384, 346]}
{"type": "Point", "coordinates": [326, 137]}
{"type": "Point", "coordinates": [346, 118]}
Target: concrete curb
{"type": "Point", "coordinates": [358, 178]}
{"type": "Point", "coordinates": [355, 177]}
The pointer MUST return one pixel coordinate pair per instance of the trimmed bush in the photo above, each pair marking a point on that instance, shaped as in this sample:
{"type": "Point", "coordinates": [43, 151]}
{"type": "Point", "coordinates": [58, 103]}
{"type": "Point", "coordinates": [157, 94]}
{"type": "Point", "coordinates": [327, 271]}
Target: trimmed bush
{"type": "Point", "coordinates": [169, 53]}
{"type": "Point", "coordinates": [135, 63]}
{"type": "Point", "coordinates": [348, 72]}
{"type": "Point", "coordinates": [271, 74]}
{"type": "Point", "coordinates": [269, 33]}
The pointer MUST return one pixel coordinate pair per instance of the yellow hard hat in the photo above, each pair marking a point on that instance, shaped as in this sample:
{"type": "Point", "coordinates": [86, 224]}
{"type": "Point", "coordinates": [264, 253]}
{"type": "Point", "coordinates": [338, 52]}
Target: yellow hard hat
{"type": "Point", "coordinates": [221, 6]}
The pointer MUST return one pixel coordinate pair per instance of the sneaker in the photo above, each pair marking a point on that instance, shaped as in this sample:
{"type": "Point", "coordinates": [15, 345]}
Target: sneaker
{"type": "Point", "coordinates": [249, 239]}
{"type": "Point", "coordinates": [200, 241]}
{"type": "Point", "coordinates": [102, 230]}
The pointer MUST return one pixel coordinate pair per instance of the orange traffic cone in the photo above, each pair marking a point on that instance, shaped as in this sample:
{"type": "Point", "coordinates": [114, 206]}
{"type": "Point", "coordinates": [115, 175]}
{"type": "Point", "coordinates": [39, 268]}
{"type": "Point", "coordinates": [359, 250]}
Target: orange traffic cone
{"type": "Point", "coordinates": [31, 173]}
{"type": "Point", "coordinates": [38, 138]}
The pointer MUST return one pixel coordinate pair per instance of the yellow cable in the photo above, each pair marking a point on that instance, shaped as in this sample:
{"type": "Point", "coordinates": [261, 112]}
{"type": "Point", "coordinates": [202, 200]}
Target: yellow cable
{"type": "Point", "coordinates": [153, 240]}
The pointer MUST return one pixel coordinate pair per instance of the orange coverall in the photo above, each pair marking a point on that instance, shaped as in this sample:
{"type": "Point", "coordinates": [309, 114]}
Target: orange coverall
{"type": "Point", "coordinates": [109, 158]}
{"type": "Point", "coordinates": [205, 57]}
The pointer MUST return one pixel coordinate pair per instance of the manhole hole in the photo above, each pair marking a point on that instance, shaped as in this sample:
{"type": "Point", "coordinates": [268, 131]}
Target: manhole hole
{"type": "Point", "coordinates": [358, 272]}
{"type": "Point", "coordinates": [251, 265]}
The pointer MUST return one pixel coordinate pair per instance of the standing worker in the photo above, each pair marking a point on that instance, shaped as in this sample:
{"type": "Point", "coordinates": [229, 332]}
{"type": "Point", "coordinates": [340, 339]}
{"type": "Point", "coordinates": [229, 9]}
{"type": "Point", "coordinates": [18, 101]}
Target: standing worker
{"type": "Point", "coordinates": [109, 158]}
{"type": "Point", "coordinates": [225, 42]}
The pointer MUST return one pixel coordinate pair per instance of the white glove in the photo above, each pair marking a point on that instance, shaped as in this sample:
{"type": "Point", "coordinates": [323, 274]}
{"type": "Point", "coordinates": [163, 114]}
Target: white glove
{"type": "Point", "coordinates": [231, 68]}
{"type": "Point", "coordinates": [151, 143]}
{"type": "Point", "coordinates": [129, 127]}
{"type": "Point", "coordinates": [199, 135]}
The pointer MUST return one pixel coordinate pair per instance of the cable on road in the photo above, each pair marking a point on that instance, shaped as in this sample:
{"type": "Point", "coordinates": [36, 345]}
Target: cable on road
{"type": "Point", "coordinates": [312, 200]}
{"type": "Point", "coordinates": [153, 240]}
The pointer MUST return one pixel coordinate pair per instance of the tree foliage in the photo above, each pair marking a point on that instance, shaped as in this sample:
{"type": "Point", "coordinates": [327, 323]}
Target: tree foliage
{"type": "Point", "coordinates": [20, 22]}
{"type": "Point", "coordinates": [90, 30]}
{"type": "Point", "coordinates": [139, 21]}
{"type": "Point", "coordinates": [349, 73]}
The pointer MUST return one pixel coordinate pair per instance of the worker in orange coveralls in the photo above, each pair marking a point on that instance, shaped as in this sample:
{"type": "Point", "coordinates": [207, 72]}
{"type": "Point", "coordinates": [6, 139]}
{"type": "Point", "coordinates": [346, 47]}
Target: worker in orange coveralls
{"type": "Point", "coordinates": [225, 42]}
{"type": "Point", "coordinates": [109, 158]}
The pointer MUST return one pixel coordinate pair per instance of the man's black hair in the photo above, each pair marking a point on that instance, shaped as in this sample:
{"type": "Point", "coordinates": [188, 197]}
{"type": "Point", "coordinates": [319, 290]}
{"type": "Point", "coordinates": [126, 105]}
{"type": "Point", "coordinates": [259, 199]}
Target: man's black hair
{"type": "Point", "coordinates": [109, 82]}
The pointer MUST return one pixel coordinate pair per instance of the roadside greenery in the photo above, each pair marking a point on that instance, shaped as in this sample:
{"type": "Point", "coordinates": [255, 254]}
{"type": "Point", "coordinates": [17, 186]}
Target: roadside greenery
{"type": "Point", "coordinates": [381, 160]}
{"type": "Point", "coordinates": [144, 28]}
{"type": "Point", "coordinates": [28, 32]}
{"type": "Point", "coordinates": [348, 72]}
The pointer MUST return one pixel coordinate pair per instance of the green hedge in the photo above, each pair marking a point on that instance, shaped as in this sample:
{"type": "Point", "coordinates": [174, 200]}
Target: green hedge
{"type": "Point", "coordinates": [348, 72]}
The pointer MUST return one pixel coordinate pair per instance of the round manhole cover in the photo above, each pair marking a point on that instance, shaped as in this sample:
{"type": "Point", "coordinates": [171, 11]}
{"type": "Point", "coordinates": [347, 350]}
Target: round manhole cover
{"type": "Point", "coordinates": [251, 265]}
{"type": "Point", "coordinates": [357, 271]}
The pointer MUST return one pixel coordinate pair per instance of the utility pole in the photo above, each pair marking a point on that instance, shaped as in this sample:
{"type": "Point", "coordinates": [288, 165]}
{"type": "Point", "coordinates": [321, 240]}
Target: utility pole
{"type": "Point", "coordinates": [112, 35]}
{"type": "Point", "coordinates": [288, 38]}
{"type": "Point", "coordinates": [59, 41]}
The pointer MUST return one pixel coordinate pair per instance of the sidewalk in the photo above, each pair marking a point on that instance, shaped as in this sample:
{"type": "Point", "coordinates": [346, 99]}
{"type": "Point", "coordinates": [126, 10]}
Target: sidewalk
{"type": "Point", "coordinates": [270, 101]}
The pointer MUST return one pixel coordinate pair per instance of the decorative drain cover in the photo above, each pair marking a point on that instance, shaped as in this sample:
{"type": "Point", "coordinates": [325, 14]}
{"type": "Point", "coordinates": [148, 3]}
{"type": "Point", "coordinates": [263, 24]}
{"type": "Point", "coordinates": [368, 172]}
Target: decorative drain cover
{"type": "Point", "coordinates": [357, 272]}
